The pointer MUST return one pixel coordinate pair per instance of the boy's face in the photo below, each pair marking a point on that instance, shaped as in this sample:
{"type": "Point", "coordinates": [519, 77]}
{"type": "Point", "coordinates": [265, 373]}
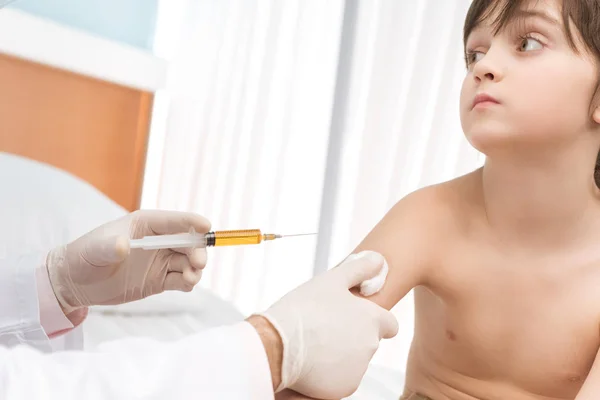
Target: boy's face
{"type": "Point", "coordinates": [542, 87]}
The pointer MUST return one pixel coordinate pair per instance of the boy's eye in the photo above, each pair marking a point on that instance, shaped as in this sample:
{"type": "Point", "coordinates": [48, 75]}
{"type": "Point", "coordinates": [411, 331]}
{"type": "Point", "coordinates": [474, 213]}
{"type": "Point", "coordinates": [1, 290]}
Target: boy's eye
{"type": "Point", "coordinates": [529, 44]}
{"type": "Point", "coordinates": [473, 56]}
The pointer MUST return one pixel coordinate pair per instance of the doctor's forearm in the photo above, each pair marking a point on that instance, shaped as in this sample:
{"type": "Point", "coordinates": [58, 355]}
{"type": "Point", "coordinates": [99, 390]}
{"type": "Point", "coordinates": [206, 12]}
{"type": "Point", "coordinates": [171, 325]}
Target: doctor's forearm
{"type": "Point", "coordinates": [273, 346]}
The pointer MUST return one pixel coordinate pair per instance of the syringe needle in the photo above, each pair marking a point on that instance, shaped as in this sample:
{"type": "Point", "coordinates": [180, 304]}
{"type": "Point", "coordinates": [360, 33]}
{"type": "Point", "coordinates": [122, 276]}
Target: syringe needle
{"type": "Point", "coordinates": [297, 234]}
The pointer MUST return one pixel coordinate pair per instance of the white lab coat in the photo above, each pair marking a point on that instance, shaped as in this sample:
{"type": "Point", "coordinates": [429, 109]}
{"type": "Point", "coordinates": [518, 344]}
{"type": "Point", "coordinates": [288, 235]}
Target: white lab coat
{"type": "Point", "coordinates": [223, 363]}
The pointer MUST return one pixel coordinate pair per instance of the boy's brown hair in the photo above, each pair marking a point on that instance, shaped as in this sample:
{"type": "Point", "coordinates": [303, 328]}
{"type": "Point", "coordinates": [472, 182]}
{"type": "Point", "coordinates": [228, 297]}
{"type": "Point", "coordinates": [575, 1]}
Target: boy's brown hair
{"type": "Point", "coordinates": [584, 14]}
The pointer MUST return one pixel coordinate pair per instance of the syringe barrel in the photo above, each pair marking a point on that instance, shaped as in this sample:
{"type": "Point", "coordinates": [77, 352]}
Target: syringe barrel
{"type": "Point", "coordinates": [177, 241]}
{"type": "Point", "coordinates": [192, 240]}
{"type": "Point", "coordinates": [234, 238]}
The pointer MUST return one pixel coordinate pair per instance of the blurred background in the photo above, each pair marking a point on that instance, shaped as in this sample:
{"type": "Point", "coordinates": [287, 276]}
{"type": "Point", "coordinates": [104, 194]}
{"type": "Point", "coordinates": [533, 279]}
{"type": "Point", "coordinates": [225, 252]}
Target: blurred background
{"type": "Point", "coordinates": [289, 116]}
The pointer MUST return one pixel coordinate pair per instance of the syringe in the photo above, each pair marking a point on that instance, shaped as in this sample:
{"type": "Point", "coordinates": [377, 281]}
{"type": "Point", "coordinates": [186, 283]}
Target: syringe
{"type": "Point", "coordinates": [210, 239]}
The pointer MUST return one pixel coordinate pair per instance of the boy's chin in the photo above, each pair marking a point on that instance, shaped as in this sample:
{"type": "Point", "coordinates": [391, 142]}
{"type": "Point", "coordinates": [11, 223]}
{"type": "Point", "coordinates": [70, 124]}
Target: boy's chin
{"type": "Point", "coordinates": [490, 142]}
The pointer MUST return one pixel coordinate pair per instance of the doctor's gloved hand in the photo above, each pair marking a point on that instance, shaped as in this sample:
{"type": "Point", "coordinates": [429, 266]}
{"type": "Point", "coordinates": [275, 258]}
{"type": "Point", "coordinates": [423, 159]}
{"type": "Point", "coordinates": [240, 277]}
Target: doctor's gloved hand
{"type": "Point", "coordinates": [99, 268]}
{"type": "Point", "coordinates": [328, 334]}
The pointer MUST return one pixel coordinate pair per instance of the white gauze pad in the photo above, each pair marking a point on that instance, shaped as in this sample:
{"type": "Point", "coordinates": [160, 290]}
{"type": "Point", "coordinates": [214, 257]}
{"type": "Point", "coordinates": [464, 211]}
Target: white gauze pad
{"type": "Point", "coordinates": [373, 285]}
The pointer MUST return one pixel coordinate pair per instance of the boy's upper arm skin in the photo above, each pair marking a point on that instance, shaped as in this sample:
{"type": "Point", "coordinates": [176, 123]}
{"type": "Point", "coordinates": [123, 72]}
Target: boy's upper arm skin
{"type": "Point", "coordinates": [406, 237]}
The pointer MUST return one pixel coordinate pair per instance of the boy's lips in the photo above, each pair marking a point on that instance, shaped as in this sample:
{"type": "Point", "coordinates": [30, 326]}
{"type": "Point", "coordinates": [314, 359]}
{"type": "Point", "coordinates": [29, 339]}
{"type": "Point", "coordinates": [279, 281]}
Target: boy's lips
{"type": "Point", "coordinates": [484, 99]}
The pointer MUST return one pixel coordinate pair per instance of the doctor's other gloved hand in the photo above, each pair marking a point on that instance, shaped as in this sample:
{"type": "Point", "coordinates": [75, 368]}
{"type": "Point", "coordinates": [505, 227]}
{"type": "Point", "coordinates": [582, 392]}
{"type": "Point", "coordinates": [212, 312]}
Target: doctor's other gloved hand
{"type": "Point", "coordinates": [99, 268]}
{"type": "Point", "coordinates": [328, 334]}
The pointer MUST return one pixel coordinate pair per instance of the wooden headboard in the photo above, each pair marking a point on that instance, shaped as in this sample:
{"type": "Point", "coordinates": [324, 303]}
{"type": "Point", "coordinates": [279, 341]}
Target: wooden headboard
{"type": "Point", "coordinates": [96, 129]}
{"type": "Point", "coordinates": [93, 129]}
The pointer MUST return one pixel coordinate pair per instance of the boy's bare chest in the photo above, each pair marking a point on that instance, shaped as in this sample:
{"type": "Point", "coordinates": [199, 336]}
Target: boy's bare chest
{"type": "Point", "coordinates": [532, 323]}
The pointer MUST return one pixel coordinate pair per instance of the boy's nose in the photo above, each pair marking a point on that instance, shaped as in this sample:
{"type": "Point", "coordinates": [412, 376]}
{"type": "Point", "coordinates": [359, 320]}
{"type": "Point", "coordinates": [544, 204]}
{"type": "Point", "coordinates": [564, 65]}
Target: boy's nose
{"type": "Point", "coordinates": [487, 69]}
{"type": "Point", "coordinates": [488, 75]}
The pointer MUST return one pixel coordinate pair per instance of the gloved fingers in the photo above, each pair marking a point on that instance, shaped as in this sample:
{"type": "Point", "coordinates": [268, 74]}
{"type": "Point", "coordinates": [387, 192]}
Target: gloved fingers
{"type": "Point", "coordinates": [191, 272]}
{"type": "Point", "coordinates": [192, 275]}
{"type": "Point", "coordinates": [388, 324]}
{"type": "Point", "coordinates": [197, 256]}
{"type": "Point", "coordinates": [183, 250]}
{"type": "Point", "coordinates": [176, 262]}
{"type": "Point", "coordinates": [358, 268]}
{"type": "Point", "coordinates": [171, 222]}
{"type": "Point", "coordinates": [175, 281]}
{"type": "Point", "coordinates": [104, 251]}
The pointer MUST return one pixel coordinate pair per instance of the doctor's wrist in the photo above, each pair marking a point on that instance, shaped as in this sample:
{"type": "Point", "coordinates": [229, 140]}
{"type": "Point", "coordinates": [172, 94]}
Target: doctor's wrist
{"type": "Point", "coordinates": [55, 263]}
{"type": "Point", "coordinates": [273, 346]}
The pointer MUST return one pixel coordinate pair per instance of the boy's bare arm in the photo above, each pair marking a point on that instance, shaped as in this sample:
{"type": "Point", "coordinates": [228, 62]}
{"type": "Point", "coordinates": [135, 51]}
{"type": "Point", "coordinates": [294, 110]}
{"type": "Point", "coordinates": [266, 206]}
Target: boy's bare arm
{"type": "Point", "coordinates": [406, 237]}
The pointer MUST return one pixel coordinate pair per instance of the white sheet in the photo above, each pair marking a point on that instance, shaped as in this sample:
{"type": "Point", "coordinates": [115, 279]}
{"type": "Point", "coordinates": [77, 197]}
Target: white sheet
{"type": "Point", "coordinates": [380, 383]}
{"type": "Point", "coordinates": [167, 316]}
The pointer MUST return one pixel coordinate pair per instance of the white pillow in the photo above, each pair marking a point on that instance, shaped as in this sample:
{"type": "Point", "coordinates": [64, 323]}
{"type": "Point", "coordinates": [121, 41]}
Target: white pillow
{"type": "Point", "coordinates": [42, 207]}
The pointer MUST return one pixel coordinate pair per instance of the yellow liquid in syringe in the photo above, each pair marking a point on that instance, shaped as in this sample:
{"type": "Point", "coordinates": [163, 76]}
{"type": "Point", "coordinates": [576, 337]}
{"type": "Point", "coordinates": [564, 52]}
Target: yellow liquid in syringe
{"type": "Point", "coordinates": [237, 237]}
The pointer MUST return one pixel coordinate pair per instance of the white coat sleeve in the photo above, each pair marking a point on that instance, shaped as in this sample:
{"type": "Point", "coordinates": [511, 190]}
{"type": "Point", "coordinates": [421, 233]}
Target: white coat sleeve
{"type": "Point", "coordinates": [19, 308]}
{"type": "Point", "coordinates": [222, 363]}
{"type": "Point", "coordinates": [29, 311]}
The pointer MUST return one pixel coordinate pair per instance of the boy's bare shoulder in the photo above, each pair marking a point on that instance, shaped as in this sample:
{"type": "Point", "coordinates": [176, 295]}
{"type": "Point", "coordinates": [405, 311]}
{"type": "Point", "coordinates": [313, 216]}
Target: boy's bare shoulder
{"type": "Point", "coordinates": [413, 236]}
{"type": "Point", "coordinates": [427, 215]}
{"type": "Point", "coordinates": [438, 205]}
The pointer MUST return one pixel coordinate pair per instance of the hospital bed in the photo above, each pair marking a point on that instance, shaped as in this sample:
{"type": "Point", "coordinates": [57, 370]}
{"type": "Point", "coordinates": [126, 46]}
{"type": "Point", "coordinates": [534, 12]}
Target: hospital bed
{"type": "Point", "coordinates": [72, 154]}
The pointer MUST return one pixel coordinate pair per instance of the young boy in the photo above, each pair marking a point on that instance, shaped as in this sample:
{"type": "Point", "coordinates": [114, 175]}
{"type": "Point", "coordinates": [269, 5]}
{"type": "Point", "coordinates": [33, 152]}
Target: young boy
{"type": "Point", "coordinates": [505, 261]}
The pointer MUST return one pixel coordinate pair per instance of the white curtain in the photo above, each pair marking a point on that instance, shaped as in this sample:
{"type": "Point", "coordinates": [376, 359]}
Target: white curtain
{"type": "Point", "coordinates": [241, 132]}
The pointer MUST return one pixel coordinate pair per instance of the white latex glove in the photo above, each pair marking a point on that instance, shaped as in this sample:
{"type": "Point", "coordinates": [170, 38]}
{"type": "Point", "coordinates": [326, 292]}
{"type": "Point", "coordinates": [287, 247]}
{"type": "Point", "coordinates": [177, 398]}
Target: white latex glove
{"type": "Point", "coordinates": [100, 269]}
{"type": "Point", "coordinates": [330, 335]}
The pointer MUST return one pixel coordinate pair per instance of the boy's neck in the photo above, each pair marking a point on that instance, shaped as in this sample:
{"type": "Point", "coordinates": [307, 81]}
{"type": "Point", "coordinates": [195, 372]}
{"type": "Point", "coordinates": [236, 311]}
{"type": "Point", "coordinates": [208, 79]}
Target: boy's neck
{"type": "Point", "coordinates": [541, 200]}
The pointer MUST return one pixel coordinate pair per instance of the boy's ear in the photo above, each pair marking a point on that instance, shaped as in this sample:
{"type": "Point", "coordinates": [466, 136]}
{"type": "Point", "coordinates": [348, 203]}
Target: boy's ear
{"type": "Point", "coordinates": [596, 106]}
